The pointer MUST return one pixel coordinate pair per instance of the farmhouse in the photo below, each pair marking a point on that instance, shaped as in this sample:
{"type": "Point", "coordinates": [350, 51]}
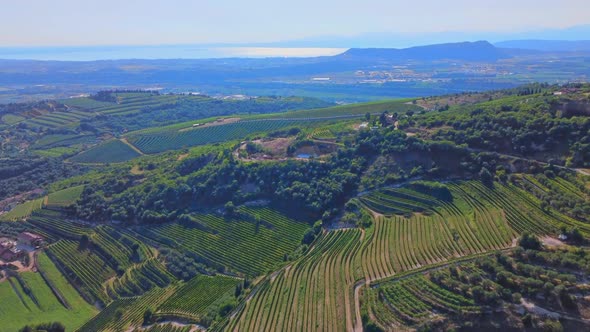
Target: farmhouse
{"type": "Point", "coordinates": [30, 239]}
{"type": "Point", "coordinates": [9, 252]}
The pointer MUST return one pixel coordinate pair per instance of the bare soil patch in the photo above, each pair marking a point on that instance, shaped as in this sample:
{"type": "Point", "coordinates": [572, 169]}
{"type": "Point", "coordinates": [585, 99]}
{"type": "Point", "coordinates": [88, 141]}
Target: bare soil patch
{"type": "Point", "coordinates": [552, 242]}
{"type": "Point", "coordinates": [182, 156]}
{"type": "Point", "coordinates": [217, 122]}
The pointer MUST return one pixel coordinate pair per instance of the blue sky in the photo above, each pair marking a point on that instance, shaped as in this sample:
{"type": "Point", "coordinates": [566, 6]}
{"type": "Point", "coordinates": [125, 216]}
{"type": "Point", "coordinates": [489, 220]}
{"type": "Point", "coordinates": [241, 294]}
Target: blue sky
{"type": "Point", "coordinates": [150, 22]}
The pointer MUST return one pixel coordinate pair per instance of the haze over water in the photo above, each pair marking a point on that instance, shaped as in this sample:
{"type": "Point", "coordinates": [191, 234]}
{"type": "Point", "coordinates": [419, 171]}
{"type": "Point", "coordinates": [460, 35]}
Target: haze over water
{"type": "Point", "coordinates": [91, 53]}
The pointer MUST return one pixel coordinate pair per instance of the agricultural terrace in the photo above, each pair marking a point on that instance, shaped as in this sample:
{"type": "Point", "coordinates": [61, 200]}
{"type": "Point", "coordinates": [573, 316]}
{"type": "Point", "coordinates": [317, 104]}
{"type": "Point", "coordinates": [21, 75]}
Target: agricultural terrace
{"type": "Point", "coordinates": [113, 151]}
{"type": "Point", "coordinates": [126, 103]}
{"type": "Point", "coordinates": [253, 243]}
{"type": "Point", "coordinates": [400, 106]}
{"type": "Point", "coordinates": [414, 229]}
{"type": "Point", "coordinates": [312, 294]}
{"type": "Point", "coordinates": [198, 296]}
{"type": "Point", "coordinates": [458, 290]}
{"type": "Point", "coordinates": [122, 314]}
{"type": "Point", "coordinates": [174, 139]}
{"type": "Point", "coordinates": [54, 226]}
{"type": "Point", "coordinates": [83, 268]}
{"type": "Point", "coordinates": [139, 279]}
{"type": "Point", "coordinates": [34, 298]}
{"type": "Point", "coordinates": [53, 120]}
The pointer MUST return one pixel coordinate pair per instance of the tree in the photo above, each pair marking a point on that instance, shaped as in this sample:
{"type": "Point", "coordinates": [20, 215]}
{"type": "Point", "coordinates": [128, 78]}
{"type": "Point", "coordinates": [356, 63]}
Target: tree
{"type": "Point", "coordinates": [148, 315]}
{"type": "Point", "coordinates": [576, 235]}
{"type": "Point", "coordinates": [44, 327]}
{"type": "Point", "coordinates": [368, 116]}
{"type": "Point", "coordinates": [230, 208]}
{"type": "Point", "coordinates": [84, 241]}
{"type": "Point", "coordinates": [529, 241]}
{"type": "Point", "coordinates": [238, 290]}
{"type": "Point", "coordinates": [486, 177]}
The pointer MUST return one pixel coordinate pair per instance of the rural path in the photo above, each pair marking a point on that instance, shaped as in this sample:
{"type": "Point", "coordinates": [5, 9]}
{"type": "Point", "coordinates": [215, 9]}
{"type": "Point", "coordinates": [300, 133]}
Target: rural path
{"type": "Point", "coordinates": [358, 326]}
{"type": "Point", "coordinates": [533, 308]}
{"type": "Point", "coordinates": [125, 141]}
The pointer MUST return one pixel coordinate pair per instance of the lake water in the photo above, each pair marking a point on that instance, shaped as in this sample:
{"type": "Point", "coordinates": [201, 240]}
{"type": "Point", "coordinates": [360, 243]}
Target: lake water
{"type": "Point", "coordinates": [91, 53]}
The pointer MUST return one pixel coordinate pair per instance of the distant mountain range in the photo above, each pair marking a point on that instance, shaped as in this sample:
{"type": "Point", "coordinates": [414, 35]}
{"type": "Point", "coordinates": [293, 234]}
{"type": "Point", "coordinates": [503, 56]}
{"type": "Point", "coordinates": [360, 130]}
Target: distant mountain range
{"type": "Point", "coordinates": [466, 51]}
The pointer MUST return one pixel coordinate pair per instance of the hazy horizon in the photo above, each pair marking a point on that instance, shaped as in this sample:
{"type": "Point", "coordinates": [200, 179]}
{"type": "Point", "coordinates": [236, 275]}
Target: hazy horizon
{"type": "Point", "coordinates": [149, 22]}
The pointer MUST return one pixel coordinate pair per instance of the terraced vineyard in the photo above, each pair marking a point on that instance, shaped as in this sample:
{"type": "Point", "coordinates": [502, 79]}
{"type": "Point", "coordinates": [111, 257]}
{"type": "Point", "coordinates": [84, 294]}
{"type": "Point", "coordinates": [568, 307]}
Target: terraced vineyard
{"type": "Point", "coordinates": [54, 225]}
{"type": "Point", "coordinates": [193, 299]}
{"type": "Point", "coordinates": [128, 312]}
{"type": "Point", "coordinates": [83, 268]}
{"type": "Point", "coordinates": [127, 103]}
{"type": "Point", "coordinates": [412, 300]}
{"type": "Point", "coordinates": [165, 140]}
{"type": "Point", "coordinates": [398, 244]}
{"type": "Point", "coordinates": [113, 151]}
{"type": "Point", "coordinates": [120, 250]}
{"type": "Point", "coordinates": [54, 120]}
{"type": "Point", "coordinates": [139, 279]}
{"type": "Point", "coordinates": [392, 106]}
{"type": "Point", "coordinates": [478, 219]}
{"type": "Point", "coordinates": [314, 293]}
{"type": "Point", "coordinates": [459, 290]}
{"type": "Point", "coordinates": [239, 244]}
{"type": "Point", "coordinates": [63, 141]}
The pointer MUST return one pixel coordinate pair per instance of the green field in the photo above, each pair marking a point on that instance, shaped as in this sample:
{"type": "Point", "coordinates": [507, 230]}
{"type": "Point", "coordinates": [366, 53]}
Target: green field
{"type": "Point", "coordinates": [56, 152]}
{"type": "Point", "coordinates": [64, 197]}
{"type": "Point", "coordinates": [113, 151]}
{"type": "Point", "coordinates": [42, 305]}
{"type": "Point", "coordinates": [23, 210]}
{"type": "Point", "coordinates": [65, 141]}
{"type": "Point", "coordinates": [11, 119]}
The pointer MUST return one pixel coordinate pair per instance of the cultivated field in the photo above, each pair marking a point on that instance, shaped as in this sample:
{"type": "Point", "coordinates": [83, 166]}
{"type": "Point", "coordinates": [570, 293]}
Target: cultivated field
{"type": "Point", "coordinates": [113, 151]}
{"type": "Point", "coordinates": [239, 244]}
{"type": "Point", "coordinates": [312, 294]}
{"type": "Point", "coordinates": [35, 298]}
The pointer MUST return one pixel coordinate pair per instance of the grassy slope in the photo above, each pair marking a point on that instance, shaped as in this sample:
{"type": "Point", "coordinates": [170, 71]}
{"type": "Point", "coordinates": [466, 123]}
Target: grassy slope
{"type": "Point", "coordinates": [22, 210]}
{"type": "Point", "coordinates": [65, 196]}
{"type": "Point", "coordinates": [15, 313]}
